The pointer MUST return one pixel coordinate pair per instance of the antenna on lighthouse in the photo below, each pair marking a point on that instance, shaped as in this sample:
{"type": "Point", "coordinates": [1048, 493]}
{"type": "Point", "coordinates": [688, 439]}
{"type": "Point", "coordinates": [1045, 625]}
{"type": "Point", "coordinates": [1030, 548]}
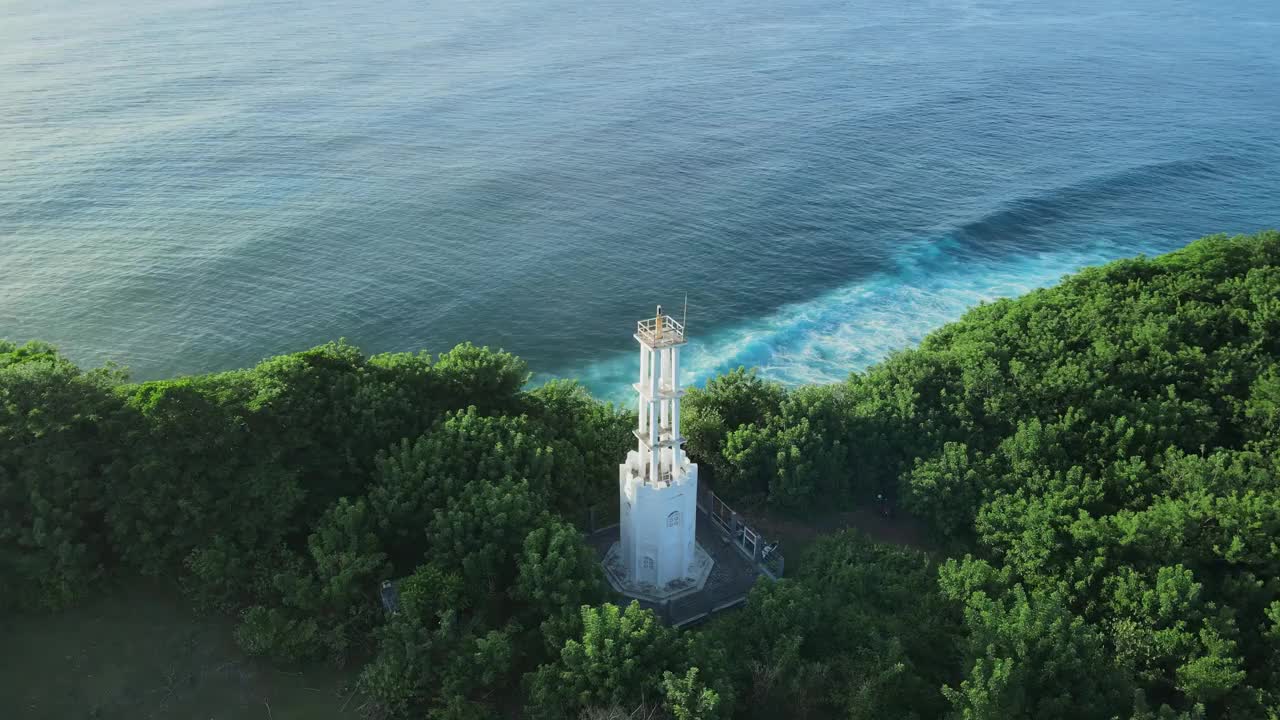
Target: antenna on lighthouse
{"type": "Point", "coordinates": [684, 320]}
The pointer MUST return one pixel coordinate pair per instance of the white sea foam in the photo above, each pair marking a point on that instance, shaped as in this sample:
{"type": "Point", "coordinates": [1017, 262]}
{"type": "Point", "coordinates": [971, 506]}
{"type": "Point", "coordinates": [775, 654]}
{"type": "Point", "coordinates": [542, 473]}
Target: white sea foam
{"type": "Point", "coordinates": [849, 329]}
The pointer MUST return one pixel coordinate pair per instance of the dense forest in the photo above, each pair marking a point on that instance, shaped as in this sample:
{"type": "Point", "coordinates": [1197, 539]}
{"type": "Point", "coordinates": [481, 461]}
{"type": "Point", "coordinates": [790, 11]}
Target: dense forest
{"type": "Point", "coordinates": [1099, 464]}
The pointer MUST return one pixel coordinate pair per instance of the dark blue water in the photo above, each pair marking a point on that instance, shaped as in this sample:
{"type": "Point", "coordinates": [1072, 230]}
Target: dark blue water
{"type": "Point", "coordinates": [189, 186]}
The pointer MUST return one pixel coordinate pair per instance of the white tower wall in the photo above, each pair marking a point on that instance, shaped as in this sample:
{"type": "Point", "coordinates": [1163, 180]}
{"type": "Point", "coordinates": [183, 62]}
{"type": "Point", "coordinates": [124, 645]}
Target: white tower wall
{"type": "Point", "coordinates": [658, 525]}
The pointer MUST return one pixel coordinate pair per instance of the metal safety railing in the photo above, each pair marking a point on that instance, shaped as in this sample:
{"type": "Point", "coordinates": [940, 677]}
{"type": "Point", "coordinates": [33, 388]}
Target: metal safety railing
{"type": "Point", "coordinates": [747, 540]}
{"type": "Point", "coordinates": [660, 331]}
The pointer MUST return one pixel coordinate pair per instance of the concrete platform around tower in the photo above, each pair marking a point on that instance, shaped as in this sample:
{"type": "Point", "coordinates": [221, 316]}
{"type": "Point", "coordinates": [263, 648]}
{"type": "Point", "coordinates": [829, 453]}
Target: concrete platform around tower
{"type": "Point", "coordinates": [615, 572]}
{"type": "Point", "coordinates": [730, 578]}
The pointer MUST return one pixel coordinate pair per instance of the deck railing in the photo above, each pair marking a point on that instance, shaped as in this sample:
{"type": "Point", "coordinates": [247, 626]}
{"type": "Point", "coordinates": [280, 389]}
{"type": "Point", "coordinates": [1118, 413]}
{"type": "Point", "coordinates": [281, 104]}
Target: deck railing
{"type": "Point", "coordinates": [747, 540]}
{"type": "Point", "coordinates": [660, 331]}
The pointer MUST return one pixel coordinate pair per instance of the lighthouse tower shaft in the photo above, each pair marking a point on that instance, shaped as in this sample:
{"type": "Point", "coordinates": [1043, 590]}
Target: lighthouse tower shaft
{"type": "Point", "coordinates": [658, 432]}
{"type": "Point", "coordinates": [658, 486]}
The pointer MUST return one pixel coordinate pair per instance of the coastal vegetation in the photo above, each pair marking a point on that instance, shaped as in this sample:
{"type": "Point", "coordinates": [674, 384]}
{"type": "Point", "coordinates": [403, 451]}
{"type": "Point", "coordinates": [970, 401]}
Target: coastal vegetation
{"type": "Point", "coordinates": [1098, 463]}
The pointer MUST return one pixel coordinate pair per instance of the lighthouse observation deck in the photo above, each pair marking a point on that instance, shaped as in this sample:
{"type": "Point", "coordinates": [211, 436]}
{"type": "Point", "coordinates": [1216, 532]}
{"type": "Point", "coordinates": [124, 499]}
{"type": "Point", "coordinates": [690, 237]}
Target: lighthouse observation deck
{"type": "Point", "coordinates": [659, 332]}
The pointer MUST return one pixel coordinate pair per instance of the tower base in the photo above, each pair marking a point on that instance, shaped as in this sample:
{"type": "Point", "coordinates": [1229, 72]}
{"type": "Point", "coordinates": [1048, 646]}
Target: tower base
{"type": "Point", "coordinates": [615, 572]}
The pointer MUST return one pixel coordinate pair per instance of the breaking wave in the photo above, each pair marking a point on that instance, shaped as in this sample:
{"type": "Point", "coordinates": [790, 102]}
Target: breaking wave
{"type": "Point", "coordinates": [1008, 252]}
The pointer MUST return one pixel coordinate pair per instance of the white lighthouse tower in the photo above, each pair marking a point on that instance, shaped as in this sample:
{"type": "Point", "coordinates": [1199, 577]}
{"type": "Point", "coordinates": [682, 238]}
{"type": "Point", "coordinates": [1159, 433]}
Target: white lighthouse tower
{"type": "Point", "coordinates": [657, 556]}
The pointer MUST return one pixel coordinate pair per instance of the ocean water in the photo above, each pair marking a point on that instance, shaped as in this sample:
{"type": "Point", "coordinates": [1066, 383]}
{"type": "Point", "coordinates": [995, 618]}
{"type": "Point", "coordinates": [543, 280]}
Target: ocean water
{"type": "Point", "coordinates": [193, 185]}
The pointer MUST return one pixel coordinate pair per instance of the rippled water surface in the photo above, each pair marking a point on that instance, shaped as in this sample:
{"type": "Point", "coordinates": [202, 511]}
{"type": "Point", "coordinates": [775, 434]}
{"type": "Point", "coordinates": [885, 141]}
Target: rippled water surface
{"type": "Point", "coordinates": [190, 186]}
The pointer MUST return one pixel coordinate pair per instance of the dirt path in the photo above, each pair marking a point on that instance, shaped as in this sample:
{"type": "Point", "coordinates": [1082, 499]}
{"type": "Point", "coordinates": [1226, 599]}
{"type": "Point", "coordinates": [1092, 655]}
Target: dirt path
{"type": "Point", "coordinates": [796, 534]}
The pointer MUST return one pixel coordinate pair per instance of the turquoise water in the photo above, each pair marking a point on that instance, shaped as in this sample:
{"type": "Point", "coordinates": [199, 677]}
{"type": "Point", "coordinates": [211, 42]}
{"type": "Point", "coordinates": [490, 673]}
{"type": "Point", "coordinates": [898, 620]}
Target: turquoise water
{"type": "Point", "coordinates": [191, 186]}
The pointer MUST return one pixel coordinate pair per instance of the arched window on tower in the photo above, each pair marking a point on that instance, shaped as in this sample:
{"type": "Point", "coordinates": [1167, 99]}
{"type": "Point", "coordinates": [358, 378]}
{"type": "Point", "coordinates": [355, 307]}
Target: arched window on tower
{"type": "Point", "coordinates": [673, 520]}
